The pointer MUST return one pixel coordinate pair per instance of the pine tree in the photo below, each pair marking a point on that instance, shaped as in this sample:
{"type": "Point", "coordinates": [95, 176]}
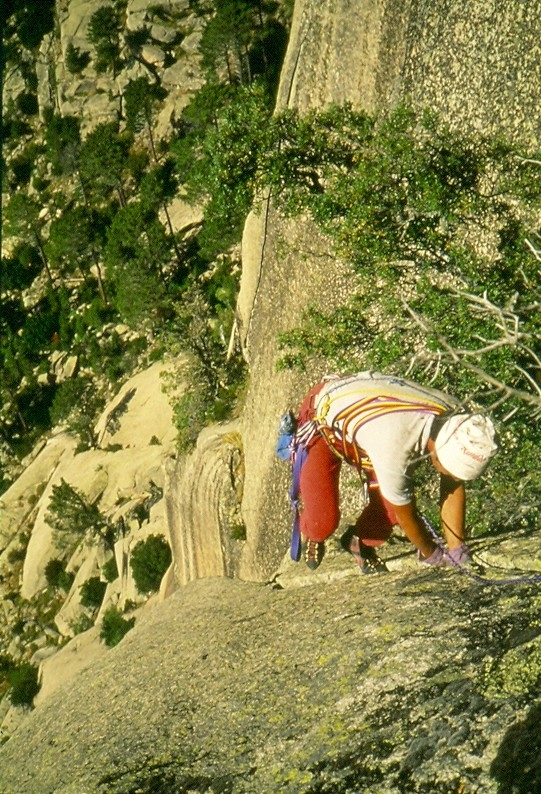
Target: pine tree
{"type": "Point", "coordinates": [70, 514]}
{"type": "Point", "coordinates": [103, 161]}
{"type": "Point", "coordinates": [104, 29]}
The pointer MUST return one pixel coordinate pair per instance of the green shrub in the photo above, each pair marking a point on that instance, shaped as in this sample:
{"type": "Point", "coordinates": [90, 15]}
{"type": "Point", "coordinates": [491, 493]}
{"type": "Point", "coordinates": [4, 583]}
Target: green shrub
{"type": "Point", "coordinates": [149, 561]}
{"type": "Point", "coordinates": [238, 531]}
{"type": "Point", "coordinates": [21, 168]}
{"type": "Point", "coordinates": [114, 627]}
{"type": "Point", "coordinates": [27, 103]}
{"type": "Point", "coordinates": [104, 33]}
{"type": "Point", "coordinates": [70, 514]}
{"type": "Point", "coordinates": [57, 576]}
{"type": "Point", "coordinates": [76, 59]}
{"type": "Point", "coordinates": [110, 570]}
{"type": "Point", "coordinates": [23, 680]}
{"type": "Point", "coordinates": [36, 21]}
{"type": "Point", "coordinates": [92, 592]}
{"type": "Point", "coordinates": [82, 624]}
{"type": "Point", "coordinates": [17, 554]}
{"type": "Point", "coordinates": [63, 141]}
{"type": "Point", "coordinates": [6, 663]}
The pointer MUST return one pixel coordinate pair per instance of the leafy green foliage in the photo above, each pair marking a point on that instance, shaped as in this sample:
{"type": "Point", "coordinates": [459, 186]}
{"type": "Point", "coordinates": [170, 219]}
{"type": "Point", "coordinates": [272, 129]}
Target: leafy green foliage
{"type": "Point", "coordinates": [23, 679]}
{"type": "Point", "coordinates": [104, 265]}
{"type": "Point", "coordinates": [72, 244]}
{"type": "Point", "coordinates": [83, 623]}
{"type": "Point", "coordinates": [149, 560]}
{"type": "Point", "coordinates": [77, 402]}
{"type": "Point", "coordinates": [114, 627]}
{"type": "Point", "coordinates": [226, 39]}
{"type": "Point", "coordinates": [76, 59]}
{"type": "Point", "coordinates": [22, 217]}
{"type": "Point", "coordinates": [140, 97]}
{"type": "Point", "coordinates": [22, 166]}
{"type": "Point", "coordinates": [92, 592]}
{"type": "Point", "coordinates": [244, 39]}
{"type": "Point", "coordinates": [159, 185]}
{"type": "Point", "coordinates": [137, 250]}
{"type": "Point", "coordinates": [104, 32]}
{"type": "Point", "coordinates": [27, 337]}
{"type": "Point", "coordinates": [19, 271]}
{"type": "Point", "coordinates": [339, 338]}
{"type": "Point", "coordinates": [202, 328]}
{"type": "Point", "coordinates": [63, 142]}
{"type": "Point", "coordinates": [57, 576]}
{"type": "Point", "coordinates": [248, 151]}
{"type": "Point", "coordinates": [439, 228]}
{"type": "Point", "coordinates": [136, 39]}
{"type": "Point", "coordinates": [31, 20]}
{"type": "Point", "coordinates": [27, 103]}
{"type": "Point", "coordinates": [104, 161]}
{"type": "Point", "coordinates": [110, 569]}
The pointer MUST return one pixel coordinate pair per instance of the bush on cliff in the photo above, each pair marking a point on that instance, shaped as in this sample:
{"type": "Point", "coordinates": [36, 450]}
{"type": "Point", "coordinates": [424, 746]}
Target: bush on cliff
{"type": "Point", "coordinates": [114, 627]}
{"type": "Point", "coordinates": [440, 230]}
{"type": "Point", "coordinates": [92, 592]}
{"type": "Point", "coordinates": [149, 560]}
{"type": "Point", "coordinates": [23, 679]}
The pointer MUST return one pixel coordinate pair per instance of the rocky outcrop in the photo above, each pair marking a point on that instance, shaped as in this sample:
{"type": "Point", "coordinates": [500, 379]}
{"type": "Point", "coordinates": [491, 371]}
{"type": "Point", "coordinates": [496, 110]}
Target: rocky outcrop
{"type": "Point", "coordinates": [133, 447]}
{"type": "Point", "coordinates": [125, 477]}
{"type": "Point", "coordinates": [171, 51]}
{"type": "Point", "coordinates": [203, 492]}
{"type": "Point", "coordinates": [419, 680]}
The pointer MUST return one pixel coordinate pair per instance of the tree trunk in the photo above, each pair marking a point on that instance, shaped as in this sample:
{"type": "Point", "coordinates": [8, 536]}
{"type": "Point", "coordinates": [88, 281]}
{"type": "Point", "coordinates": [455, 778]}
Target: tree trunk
{"type": "Point", "coordinates": [43, 257]}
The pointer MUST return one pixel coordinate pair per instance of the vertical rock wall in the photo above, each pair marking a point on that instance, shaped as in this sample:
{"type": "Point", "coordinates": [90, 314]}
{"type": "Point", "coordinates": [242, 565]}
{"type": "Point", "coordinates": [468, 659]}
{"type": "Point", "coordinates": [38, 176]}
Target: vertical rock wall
{"type": "Point", "coordinates": [477, 64]}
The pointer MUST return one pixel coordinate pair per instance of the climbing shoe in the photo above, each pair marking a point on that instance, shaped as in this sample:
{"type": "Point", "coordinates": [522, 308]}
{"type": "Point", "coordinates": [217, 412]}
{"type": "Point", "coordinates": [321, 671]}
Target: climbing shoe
{"type": "Point", "coordinates": [460, 556]}
{"type": "Point", "coordinates": [313, 553]}
{"type": "Point", "coordinates": [365, 556]}
{"type": "Point", "coordinates": [437, 558]}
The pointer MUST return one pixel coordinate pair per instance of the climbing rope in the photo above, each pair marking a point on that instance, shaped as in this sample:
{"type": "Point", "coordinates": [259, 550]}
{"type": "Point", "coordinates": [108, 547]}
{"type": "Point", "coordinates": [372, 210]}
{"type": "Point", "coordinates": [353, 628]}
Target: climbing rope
{"type": "Point", "coordinates": [530, 579]}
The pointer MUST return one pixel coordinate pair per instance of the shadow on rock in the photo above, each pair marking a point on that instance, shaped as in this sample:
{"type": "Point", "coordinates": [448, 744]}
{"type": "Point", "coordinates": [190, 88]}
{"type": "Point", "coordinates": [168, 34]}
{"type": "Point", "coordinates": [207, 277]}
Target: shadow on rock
{"type": "Point", "coordinates": [517, 766]}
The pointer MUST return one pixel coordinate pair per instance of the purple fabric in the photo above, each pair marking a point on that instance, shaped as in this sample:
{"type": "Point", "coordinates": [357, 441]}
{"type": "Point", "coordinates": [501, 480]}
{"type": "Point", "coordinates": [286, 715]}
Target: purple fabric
{"type": "Point", "coordinates": [300, 457]}
{"type": "Point", "coordinates": [460, 555]}
{"type": "Point", "coordinates": [436, 558]}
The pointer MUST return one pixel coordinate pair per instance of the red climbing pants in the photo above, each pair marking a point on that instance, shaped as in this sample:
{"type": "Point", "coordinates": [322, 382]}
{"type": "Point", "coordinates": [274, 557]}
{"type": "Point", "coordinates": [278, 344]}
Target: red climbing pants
{"type": "Point", "coordinates": [319, 491]}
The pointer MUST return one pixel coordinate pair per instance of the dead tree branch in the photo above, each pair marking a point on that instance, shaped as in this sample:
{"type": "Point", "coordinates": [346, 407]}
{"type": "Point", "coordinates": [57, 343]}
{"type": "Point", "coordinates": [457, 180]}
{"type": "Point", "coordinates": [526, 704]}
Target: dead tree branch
{"type": "Point", "coordinates": [509, 324]}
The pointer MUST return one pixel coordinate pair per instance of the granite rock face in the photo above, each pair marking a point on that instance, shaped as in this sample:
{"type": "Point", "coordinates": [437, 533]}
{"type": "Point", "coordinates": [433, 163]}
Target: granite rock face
{"type": "Point", "coordinates": [475, 64]}
{"type": "Point", "coordinates": [124, 476]}
{"type": "Point", "coordinates": [418, 680]}
{"type": "Point", "coordinates": [171, 51]}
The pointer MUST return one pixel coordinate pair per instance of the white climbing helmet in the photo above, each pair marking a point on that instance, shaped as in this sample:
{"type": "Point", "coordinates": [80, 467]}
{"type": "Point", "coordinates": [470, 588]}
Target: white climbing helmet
{"type": "Point", "coordinates": [465, 445]}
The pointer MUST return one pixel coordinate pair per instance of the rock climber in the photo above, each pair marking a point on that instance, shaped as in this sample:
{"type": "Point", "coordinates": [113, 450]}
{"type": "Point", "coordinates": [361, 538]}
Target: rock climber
{"type": "Point", "coordinates": [385, 426]}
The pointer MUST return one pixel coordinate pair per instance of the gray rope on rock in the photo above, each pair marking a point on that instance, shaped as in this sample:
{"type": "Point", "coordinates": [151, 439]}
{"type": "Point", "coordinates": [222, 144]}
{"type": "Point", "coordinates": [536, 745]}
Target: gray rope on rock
{"type": "Point", "coordinates": [530, 579]}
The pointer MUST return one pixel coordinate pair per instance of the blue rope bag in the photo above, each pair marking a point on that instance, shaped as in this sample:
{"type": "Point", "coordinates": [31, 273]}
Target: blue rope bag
{"type": "Point", "coordinates": [294, 494]}
{"type": "Point", "coordinates": [292, 444]}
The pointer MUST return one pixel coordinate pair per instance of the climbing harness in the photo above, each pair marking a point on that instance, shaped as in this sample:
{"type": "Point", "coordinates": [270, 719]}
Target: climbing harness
{"type": "Point", "coordinates": [294, 441]}
{"type": "Point", "coordinates": [530, 579]}
{"type": "Point", "coordinates": [341, 430]}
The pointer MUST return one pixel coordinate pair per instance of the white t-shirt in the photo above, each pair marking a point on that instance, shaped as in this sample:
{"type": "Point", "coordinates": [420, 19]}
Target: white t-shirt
{"type": "Point", "coordinates": [389, 419]}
